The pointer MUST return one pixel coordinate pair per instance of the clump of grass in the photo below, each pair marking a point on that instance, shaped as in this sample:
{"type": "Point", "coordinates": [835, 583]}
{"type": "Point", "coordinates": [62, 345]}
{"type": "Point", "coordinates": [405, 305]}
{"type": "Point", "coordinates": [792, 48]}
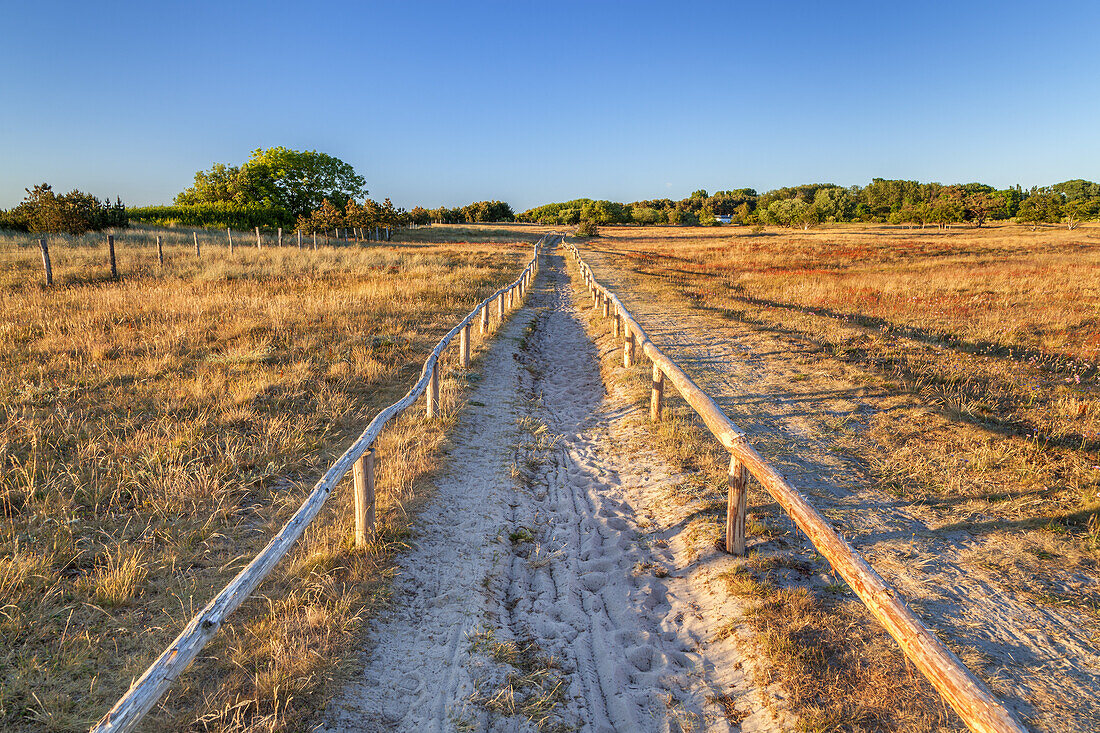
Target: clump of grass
{"type": "Point", "coordinates": [527, 683]}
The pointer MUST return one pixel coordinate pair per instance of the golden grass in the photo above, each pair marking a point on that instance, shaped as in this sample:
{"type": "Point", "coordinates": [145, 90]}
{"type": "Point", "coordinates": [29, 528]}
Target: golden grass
{"type": "Point", "coordinates": [157, 431]}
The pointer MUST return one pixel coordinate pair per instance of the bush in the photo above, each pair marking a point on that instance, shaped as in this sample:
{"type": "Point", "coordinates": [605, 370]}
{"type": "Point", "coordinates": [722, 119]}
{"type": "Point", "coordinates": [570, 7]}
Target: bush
{"type": "Point", "coordinates": [218, 215]}
{"type": "Point", "coordinates": [588, 228]}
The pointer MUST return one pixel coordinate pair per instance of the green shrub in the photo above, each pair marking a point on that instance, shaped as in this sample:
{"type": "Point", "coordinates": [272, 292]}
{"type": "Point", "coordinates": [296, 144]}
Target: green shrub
{"type": "Point", "coordinates": [217, 215]}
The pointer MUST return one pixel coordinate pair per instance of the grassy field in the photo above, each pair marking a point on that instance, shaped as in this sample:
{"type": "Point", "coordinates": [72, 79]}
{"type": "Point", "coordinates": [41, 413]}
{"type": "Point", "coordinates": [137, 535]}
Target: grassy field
{"type": "Point", "coordinates": [158, 430]}
{"type": "Point", "coordinates": [999, 327]}
{"type": "Point", "coordinates": [953, 373]}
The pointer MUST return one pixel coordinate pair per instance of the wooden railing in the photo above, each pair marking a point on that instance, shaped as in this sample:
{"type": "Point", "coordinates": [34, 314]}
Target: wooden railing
{"type": "Point", "coordinates": [970, 698]}
{"type": "Point", "coordinates": [162, 673]}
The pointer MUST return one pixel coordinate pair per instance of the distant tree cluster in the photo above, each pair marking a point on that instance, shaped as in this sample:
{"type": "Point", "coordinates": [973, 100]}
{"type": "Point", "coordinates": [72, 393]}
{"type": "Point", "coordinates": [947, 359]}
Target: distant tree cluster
{"type": "Point", "coordinates": [477, 212]}
{"type": "Point", "coordinates": [75, 212]}
{"type": "Point", "coordinates": [882, 200]}
{"type": "Point", "coordinates": [221, 215]}
{"type": "Point", "coordinates": [293, 180]}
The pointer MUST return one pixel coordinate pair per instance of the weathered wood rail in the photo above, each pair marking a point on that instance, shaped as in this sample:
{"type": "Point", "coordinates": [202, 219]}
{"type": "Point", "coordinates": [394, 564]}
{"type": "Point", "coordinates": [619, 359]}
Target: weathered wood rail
{"type": "Point", "coordinates": [969, 697]}
{"type": "Point", "coordinates": [162, 673]}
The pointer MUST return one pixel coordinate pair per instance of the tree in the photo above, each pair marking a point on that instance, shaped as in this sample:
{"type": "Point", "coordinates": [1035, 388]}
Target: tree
{"type": "Point", "coordinates": [75, 212]}
{"type": "Point", "coordinates": [978, 206]}
{"type": "Point", "coordinates": [298, 181]}
{"type": "Point", "coordinates": [1040, 208]}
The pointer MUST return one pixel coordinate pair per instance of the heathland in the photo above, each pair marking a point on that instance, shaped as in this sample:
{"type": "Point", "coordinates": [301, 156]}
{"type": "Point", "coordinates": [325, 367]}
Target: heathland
{"type": "Point", "coordinates": [158, 429]}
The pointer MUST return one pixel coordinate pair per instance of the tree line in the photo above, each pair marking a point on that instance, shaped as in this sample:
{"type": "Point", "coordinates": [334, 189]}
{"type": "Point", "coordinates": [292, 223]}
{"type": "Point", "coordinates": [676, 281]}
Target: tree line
{"type": "Point", "coordinates": [885, 201]}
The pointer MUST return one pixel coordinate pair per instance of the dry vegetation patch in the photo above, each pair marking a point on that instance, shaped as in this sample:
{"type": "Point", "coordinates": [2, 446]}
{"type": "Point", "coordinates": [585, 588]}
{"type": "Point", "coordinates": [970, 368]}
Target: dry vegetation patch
{"type": "Point", "coordinates": [157, 431]}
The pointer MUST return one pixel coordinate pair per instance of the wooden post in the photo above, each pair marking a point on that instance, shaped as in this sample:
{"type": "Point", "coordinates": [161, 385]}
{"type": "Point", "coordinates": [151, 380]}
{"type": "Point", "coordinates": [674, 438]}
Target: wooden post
{"type": "Point", "coordinates": [160, 251]}
{"type": "Point", "coordinates": [500, 307]}
{"type": "Point", "coordinates": [195, 235]}
{"type": "Point", "coordinates": [736, 507]}
{"type": "Point", "coordinates": [46, 260]}
{"type": "Point", "coordinates": [618, 325]}
{"type": "Point", "coordinates": [628, 349]}
{"type": "Point", "coordinates": [229, 232]}
{"type": "Point", "coordinates": [111, 255]}
{"type": "Point", "coordinates": [511, 298]}
{"type": "Point", "coordinates": [364, 497]}
{"type": "Point", "coordinates": [280, 243]}
{"type": "Point", "coordinates": [606, 307]}
{"type": "Point", "coordinates": [257, 238]}
{"type": "Point", "coordinates": [485, 320]}
{"type": "Point", "coordinates": [657, 394]}
{"type": "Point", "coordinates": [464, 347]}
{"type": "Point", "coordinates": [432, 393]}
{"type": "Point", "coordinates": [314, 240]}
{"type": "Point", "coordinates": [596, 295]}
{"type": "Point", "coordinates": [299, 239]}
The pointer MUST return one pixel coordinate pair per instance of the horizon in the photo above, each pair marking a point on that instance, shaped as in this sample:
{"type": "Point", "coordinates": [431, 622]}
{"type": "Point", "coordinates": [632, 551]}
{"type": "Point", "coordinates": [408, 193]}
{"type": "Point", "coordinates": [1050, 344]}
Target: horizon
{"type": "Point", "coordinates": [534, 105]}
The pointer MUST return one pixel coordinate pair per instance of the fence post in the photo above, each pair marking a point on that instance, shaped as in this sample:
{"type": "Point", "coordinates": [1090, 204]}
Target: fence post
{"type": "Point", "coordinates": [596, 295]}
{"type": "Point", "coordinates": [618, 325]}
{"type": "Point", "coordinates": [485, 320]}
{"type": "Point", "coordinates": [195, 235]}
{"type": "Point", "coordinates": [364, 497]}
{"type": "Point", "coordinates": [111, 254]}
{"type": "Point", "coordinates": [46, 260]}
{"type": "Point", "coordinates": [299, 239]}
{"type": "Point", "coordinates": [257, 238]}
{"type": "Point", "coordinates": [736, 507]}
{"type": "Point", "coordinates": [500, 307]}
{"type": "Point", "coordinates": [229, 232]}
{"type": "Point", "coordinates": [657, 394]}
{"type": "Point", "coordinates": [160, 251]}
{"type": "Point", "coordinates": [606, 307]}
{"type": "Point", "coordinates": [628, 349]}
{"type": "Point", "coordinates": [280, 241]}
{"type": "Point", "coordinates": [464, 347]}
{"type": "Point", "coordinates": [314, 240]}
{"type": "Point", "coordinates": [432, 393]}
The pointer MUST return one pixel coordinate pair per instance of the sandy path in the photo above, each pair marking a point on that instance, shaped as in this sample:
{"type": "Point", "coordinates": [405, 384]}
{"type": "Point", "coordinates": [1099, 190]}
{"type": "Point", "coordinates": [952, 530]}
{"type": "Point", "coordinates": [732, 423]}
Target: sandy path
{"type": "Point", "coordinates": [1041, 659]}
{"type": "Point", "coordinates": [540, 588]}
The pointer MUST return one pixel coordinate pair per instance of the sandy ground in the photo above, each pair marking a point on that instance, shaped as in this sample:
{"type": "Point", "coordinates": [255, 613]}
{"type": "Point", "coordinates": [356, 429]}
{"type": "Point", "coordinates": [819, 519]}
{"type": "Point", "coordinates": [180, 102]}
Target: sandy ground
{"type": "Point", "coordinates": [1041, 659]}
{"type": "Point", "coordinates": [542, 592]}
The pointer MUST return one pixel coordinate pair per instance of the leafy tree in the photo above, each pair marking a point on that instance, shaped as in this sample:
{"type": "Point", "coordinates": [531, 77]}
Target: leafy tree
{"type": "Point", "coordinates": [298, 181]}
{"type": "Point", "coordinates": [1040, 208]}
{"type": "Point", "coordinates": [75, 212]}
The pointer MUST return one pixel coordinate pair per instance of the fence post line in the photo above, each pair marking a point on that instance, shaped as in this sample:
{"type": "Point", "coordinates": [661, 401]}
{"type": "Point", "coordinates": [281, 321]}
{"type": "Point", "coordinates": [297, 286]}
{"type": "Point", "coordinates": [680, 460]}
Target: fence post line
{"type": "Point", "coordinates": [257, 238]}
{"type": "Point", "coordinates": [485, 320]}
{"type": "Point", "coordinates": [111, 255]}
{"type": "Point", "coordinates": [628, 349]}
{"type": "Point", "coordinates": [280, 242]}
{"type": "Point", "coordinates": [195, 236]}
{"type": "Point", "coordinates": [364, 497]}
{"type": "Point", "coordinates": [46, 260]}
{"type": "Point", "coordinates": [160, 251]}
{"type": "Point", "coordinates": [736, 507]}
{"type": "Point", "coordinates": [657, 394]}
{"type": "Point", "coordinates": [464, 347]}
{"type": "Point", "coordinates": [432, 393]}
{"type": "Point", "coordinates": [229, 232]}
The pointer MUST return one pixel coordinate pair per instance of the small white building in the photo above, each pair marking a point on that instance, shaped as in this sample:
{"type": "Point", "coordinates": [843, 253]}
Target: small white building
{"type": "Point", "coordinates": [723, 218]}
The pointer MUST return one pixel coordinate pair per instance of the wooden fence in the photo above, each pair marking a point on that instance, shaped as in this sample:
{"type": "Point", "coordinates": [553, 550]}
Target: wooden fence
{"type": "Point", "coordinates": [340, 234]}
{"type": "Point", "coordinates": [148, 689]}
{"type": "Point", "coordinates": [965, 693]}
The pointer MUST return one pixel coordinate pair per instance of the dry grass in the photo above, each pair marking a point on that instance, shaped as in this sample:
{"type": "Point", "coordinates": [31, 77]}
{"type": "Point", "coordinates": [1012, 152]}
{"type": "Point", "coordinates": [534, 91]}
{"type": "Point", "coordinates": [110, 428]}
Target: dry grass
{"type": "Point", "coordinates": [157, 431]}
{"type": "Point", "coordinates": [992, 331]}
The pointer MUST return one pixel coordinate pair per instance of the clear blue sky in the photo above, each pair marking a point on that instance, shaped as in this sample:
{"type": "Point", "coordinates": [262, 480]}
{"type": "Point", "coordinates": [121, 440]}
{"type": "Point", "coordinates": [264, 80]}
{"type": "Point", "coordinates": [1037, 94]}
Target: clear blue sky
{"type": "Point", "coordinates": [446, 103]}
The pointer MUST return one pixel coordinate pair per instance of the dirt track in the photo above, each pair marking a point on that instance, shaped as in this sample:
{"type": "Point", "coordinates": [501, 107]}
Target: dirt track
{"type": "Point", "coordinates": [541, 588]}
